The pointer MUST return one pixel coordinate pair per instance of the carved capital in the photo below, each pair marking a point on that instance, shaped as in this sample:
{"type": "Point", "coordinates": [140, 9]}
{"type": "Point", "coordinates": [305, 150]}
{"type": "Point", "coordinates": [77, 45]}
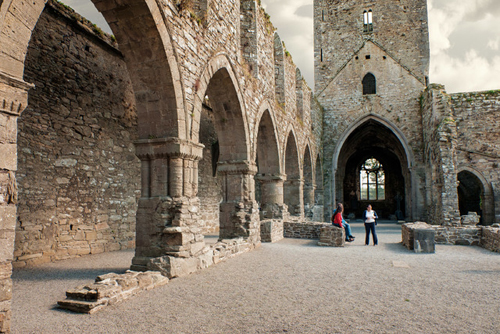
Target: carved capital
{"type": "Point", "coordinates": [13, 95]}
{"type": "Point", "coordinates": [237, 167]}
{"type": "Point", "coordinates": [265, 178]}
{"type": "Point", "coordinates": [150, 149]}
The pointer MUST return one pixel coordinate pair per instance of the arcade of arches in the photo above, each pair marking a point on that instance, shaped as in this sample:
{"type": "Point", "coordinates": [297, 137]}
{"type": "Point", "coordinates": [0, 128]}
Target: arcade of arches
{"type": "Point", "coordinates": [179, 127]}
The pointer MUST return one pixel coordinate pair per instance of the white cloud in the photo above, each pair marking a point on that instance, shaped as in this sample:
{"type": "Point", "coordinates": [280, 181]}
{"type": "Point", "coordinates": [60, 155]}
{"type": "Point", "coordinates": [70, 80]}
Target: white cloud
{"type": "Point", "coordinates": [461, 56]}
{"type": "Point", "coordinates": [494, 44]}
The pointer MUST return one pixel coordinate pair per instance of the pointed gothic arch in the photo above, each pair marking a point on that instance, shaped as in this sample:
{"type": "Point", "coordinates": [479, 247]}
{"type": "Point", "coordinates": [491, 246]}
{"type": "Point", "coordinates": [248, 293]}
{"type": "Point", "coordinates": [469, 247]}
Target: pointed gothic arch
{"type": "Point", "coordinates": [308, 182]}
{"type": "Point", "coordinates": [225, 79]}
{"type": "Point", "coordinates": [475, 194]}
{"type": "Point", "coordinates": [293, 196]}
{"type": "Point", "coordinates": [373, 136]}
{"type": "Point", "coordinates": [144, 40]}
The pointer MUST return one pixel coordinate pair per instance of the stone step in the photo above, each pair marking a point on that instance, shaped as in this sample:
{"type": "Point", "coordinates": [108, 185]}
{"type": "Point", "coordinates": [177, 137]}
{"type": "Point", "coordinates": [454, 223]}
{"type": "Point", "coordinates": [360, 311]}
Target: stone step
{"type": "Point", "coordinates": [81, 306]}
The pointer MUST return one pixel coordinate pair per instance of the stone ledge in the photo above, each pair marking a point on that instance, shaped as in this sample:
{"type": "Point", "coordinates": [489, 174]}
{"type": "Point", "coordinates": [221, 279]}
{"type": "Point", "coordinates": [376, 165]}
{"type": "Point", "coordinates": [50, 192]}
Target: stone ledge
{"type": "Point", "coordinates": [487, 237]}
{"type": "Point", "coordinates": [332, 236]}
{"type": "Point", "coordinates": [303, 229]}
{"type": "Point", "coordinates": [110, 289]}
{"type": "Point", "coordinates": [113, 288]}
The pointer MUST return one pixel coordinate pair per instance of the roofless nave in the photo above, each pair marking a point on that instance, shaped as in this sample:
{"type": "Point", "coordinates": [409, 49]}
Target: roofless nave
{"type": "Point", "coordinates": [197, 121]}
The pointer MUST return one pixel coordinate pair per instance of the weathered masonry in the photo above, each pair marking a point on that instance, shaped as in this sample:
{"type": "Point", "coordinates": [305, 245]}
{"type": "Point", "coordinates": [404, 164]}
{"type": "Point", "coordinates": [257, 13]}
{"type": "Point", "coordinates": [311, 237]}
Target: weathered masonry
{"type": "Point", "coordinates": [193, 120]}
{"type": "Point", "coordinates": [390, 139]}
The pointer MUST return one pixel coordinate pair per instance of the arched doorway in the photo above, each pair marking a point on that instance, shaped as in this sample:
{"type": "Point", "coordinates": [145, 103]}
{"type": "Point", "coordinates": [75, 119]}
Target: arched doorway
{"type": "Point", "coordinates": [229, 152]}
{"type": "Point", "coordinates": [148, 54]}
{"type": "Point", "coordinates": [293, 184]}
{"type": "Point", "coordinates": [269, 180]}
{"type": "Point", "coordinates": [475, 195]}
{"type": "Point", "coordinates": [372, 168]}
{"type": "Point", "coordinates": [308, 192]}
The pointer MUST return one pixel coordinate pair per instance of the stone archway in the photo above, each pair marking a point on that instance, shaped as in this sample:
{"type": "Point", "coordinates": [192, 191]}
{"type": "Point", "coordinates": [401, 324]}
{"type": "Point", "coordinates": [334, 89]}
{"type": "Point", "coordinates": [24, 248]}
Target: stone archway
{"type": "Point", "coordinates": [309, 185]}
{"type": "Point", "coordinates": [373, 139]}
{"type": "Point", "coordinates": [318, 211]}
{"type": "Point", "coordinates": [269, 180]}
{"type": "Point", "coordinates": [145, 42]}
{"type": "Point", "coordinates": [475, 195]}
{"type": "Point", "coordinates": [293, 191]}
{"type": "Point", "coordinates": [238, 214]}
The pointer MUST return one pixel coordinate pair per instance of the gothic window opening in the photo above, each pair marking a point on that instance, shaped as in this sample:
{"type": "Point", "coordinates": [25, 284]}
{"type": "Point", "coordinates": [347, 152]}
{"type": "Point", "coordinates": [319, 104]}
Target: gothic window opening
{"type": "Point", "coordinates": [372, 180]}
{"type": "Point", "coordinates": [368, 21]}
{"type": "Point", "coordinates": [369, 84]}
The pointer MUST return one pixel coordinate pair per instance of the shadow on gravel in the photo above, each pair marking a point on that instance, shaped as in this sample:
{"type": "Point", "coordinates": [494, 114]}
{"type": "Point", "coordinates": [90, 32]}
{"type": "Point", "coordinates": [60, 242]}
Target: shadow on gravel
{"type": "Point", "coordinates": [56, 308]}
{"type": "Point", "coordinates": [482, 272]}
{"type": "Point", "coordinates": [54, 274]}
{"type": "Point", "coordinates": [396, 247]}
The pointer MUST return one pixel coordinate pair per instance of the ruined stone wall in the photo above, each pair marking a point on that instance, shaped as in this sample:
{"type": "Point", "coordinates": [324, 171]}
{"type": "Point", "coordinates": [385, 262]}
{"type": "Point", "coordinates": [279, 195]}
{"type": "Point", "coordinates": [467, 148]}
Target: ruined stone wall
{"type": "Point", "coordinates": [173, 50]}
{"type": "Point", "coordinates": [440, 138]}
{"type": "Point", "coordinates": [301, 229]}
{"type": "Point", "coordinates": [199, 43]}
{"type": "Point", "coordinates": [491, 238]}
{"type": "Point", "coordinates": [478, 144]}
{"type": "Point", "coordinates": [78, 174]}
{"type": "Point", "coordinates": [395, 106]}
{"type": "Point", "coordinates": [209, 184]}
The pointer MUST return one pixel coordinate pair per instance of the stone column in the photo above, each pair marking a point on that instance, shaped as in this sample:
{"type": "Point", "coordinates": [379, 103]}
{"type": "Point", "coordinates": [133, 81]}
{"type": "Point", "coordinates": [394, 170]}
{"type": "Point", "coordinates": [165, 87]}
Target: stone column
{"type": "Point", "coordinates": [13, 101]}
{"type": "Point", "coordinates": [272, 202]}
{"type": "Point", "coordinates": [168, 211]}
{"type": "Point", "coordinates": [309, 199]}
{"type": "Point", "coordinates": [294, 197]}
{"type": "Point", "coordinates": [239, 213]}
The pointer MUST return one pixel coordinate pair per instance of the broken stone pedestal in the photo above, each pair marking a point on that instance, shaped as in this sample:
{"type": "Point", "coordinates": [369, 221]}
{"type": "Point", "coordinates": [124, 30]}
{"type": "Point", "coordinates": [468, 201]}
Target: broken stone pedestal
{"type": "Point", "coordinates": [332, 236]}
{"type": "Point", "coordinates": [472, 218]}
{"type": "Point", "coordinates": [419, 236]}
{"type": "Point", "coordinates": [110, 289]}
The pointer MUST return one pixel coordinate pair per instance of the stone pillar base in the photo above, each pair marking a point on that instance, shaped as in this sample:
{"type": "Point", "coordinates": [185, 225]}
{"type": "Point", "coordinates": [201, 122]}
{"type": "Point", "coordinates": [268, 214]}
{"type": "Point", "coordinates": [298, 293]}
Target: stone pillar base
{"type": "Point", "coordinates": [167, 226]}
{"type": "Point", "coordinates": [240, 220]}
{"type": "Point", "coordinates": [271, 230]}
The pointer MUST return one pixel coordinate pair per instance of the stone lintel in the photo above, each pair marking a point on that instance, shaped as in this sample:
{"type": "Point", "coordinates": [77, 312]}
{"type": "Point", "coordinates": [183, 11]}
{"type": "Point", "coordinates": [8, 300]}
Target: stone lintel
{"type": "Point", "coordinates": [237, 167]}
{"type": "Point", "coordinates": [163, 147]}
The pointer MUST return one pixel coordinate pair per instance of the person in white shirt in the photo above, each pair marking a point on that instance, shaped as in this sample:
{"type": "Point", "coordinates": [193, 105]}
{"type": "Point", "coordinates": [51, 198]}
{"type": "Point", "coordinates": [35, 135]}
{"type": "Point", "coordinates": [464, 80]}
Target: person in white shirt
{"type": "Point", "coordinates": [369, 217]}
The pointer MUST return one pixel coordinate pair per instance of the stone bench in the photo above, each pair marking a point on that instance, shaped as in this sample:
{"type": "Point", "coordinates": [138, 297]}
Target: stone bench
{"type": "Point", "coordinates": [331, 236]}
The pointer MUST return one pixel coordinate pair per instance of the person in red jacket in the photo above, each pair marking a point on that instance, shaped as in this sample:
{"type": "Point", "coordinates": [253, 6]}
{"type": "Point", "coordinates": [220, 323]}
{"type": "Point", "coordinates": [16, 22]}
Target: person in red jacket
{"type": "Point", "coordinates": [339, 221]}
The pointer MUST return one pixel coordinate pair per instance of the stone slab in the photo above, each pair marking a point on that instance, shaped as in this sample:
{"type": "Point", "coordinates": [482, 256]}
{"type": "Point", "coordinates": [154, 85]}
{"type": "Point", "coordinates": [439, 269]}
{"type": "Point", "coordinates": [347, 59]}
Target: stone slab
{"type": "Point", "coordinates": [424, 241]}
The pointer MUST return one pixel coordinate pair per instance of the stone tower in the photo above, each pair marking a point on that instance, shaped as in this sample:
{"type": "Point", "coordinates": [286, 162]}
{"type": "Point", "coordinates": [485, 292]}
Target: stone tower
{"type": "Point", "coordinates": [341, 28]}
{"type": "Point", "coordinates": [371, 66]}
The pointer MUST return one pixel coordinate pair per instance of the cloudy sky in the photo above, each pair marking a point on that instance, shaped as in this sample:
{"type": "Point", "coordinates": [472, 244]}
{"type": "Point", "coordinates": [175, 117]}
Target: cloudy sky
{"type": "Point", "coordinates": [464, 38]}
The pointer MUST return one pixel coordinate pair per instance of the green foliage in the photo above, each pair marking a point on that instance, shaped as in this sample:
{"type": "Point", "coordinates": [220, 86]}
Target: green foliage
{"type": "Point", "coordinates": [98, 31]}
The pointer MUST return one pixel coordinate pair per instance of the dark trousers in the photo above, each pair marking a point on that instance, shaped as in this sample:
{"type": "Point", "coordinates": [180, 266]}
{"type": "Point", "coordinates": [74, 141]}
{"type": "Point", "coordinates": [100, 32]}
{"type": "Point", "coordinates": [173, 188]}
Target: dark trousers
{"type": "Point", "coordinates": [370, 227]}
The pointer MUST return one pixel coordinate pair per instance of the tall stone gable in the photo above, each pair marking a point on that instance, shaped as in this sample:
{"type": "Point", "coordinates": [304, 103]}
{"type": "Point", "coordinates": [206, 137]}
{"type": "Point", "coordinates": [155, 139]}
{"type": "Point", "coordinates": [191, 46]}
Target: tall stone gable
{"type": "Point", "coordinates": [371, 66]}
{"type": "Point", "coordinates": [400, 27]}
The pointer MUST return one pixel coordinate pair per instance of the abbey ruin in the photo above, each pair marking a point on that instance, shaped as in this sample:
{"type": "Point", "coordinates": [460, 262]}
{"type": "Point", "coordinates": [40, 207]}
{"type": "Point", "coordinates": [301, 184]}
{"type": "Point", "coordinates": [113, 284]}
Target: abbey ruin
{"type": "Point", "coordinates": [192, 119]}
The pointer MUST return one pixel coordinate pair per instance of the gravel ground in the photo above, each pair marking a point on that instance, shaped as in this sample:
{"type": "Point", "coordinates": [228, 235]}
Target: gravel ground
{"type": "Point", "coordinates": [291, 286]}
